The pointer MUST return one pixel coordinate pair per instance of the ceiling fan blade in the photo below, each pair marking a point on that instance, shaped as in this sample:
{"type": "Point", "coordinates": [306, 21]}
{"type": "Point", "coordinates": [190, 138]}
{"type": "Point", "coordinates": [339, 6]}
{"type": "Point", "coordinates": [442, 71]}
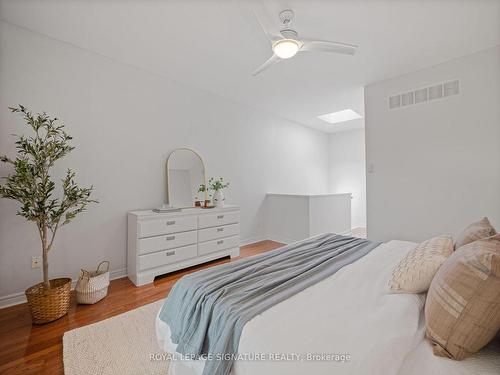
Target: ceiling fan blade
{"type": "Point", "coordinates": [325, 46]}
{"type": "Point", "coordinates": [269, 35]}
{"type": "Point", "coordinates": [271, 61]}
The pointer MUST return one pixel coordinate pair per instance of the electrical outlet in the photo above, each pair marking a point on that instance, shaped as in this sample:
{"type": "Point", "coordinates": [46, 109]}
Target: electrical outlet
{"type": "Point", "coordinates": [36, 262]}
{"type": "Point", "coordinates": [371, 168]}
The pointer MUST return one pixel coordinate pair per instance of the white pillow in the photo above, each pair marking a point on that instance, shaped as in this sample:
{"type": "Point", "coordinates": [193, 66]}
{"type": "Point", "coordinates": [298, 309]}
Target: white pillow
{"type": "Point", "coordinates": [414, 273]}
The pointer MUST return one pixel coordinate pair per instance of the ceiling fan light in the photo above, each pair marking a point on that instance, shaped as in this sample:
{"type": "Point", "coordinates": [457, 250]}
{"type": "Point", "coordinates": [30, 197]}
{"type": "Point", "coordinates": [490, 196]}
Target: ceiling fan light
{"type": "Point", "coordinates": [286, 48]}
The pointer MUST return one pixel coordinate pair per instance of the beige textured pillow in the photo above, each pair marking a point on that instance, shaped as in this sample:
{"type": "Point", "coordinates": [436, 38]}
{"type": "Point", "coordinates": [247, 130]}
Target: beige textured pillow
{"type": "Point", "coordinates": [462, 310]}
{"type": "Point", "coordinates": [474, 232]}
{"type": "Point", "coordinates": [415, 271]}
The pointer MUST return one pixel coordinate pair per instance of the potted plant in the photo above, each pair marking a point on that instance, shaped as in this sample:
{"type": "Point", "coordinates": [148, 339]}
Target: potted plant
{"type": "Point", "coordinates": [217, 185]}
{"type": "Point", "coordinates": [203, 202]}
{"type": "Point", "coordinates": [31, 185]}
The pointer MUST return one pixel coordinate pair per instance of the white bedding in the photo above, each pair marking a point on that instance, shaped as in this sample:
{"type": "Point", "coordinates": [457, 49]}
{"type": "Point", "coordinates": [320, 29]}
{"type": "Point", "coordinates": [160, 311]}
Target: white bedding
{"type": "Point", "coordinates": [349, 313]}
{"type": "Point", "coordinates": [422, 361]}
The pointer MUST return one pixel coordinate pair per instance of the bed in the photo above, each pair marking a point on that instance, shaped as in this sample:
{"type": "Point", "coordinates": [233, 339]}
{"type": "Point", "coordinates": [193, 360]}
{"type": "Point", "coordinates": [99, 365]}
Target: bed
{"type": "Point", "coordinates": [347, 323]}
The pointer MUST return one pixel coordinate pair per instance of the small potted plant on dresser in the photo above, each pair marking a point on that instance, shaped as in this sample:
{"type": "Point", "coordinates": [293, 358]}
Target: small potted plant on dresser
{"type": "Point", "coordinates": [202, 202]}
{"type": "Point", "coordinates": [218, 185]}
{"type": "Point", "coordinates": [30, 184]}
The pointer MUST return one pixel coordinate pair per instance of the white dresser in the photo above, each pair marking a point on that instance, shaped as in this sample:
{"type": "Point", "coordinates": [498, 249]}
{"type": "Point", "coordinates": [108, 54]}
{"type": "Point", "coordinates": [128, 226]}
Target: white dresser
{"type": "Point", "coordinates": [160, 243]}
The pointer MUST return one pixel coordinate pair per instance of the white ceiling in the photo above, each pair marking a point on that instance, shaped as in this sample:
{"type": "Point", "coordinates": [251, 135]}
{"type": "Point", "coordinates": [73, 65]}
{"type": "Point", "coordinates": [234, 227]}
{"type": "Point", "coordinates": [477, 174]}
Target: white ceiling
{"type": "Point", "coordinates": [215, 45]}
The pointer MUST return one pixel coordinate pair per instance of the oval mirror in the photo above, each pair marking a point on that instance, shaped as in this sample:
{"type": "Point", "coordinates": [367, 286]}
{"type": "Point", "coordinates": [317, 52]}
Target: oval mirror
{"type": "Point", "coordinates": [185, 174]}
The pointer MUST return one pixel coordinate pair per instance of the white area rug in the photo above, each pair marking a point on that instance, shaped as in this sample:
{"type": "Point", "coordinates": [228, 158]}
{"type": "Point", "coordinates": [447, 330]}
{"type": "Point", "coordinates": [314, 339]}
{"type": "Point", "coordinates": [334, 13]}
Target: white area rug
{"type": "Point", "coordinates": [120, 345]}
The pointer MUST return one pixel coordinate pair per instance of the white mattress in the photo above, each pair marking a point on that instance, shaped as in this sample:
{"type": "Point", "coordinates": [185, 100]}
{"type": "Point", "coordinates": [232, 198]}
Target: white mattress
{"type": "Point", "coordinates": [349, 313]}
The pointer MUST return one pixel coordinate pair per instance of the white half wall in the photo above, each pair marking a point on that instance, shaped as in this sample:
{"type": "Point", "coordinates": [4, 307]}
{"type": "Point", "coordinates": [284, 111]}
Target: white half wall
{"type": "Point", "coordinates": [125, 121]}
{"type": "Point", "coordinates": [436, 165]}
{"type": "Point", "coordinates": [346, 163]}
{"type": "Point", "coordinates": [293, 217]}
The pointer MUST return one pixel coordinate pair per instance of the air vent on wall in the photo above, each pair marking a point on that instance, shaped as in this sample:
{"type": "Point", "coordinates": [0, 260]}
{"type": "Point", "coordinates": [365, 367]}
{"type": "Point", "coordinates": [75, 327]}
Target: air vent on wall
{"type": "Point", "coordinates": [441, 90]}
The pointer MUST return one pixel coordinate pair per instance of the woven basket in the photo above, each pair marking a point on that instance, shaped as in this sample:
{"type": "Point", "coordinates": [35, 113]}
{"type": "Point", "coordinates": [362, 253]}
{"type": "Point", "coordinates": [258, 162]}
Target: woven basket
{"type": "Point", "coordinates": [47, 305]}
{"type": "Point", "coordinates": [92, 286]}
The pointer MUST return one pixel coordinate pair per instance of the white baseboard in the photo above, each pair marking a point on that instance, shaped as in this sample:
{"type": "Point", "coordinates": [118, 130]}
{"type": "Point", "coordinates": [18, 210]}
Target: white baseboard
{"type": "Point", "coordinates": [359, 225]}
{"type": "Point", "coordinates": [20, 297]}
{"type": "Point", "coordinates": [12, 299]}
{"type": "Point", "coordinates": [118, 274]}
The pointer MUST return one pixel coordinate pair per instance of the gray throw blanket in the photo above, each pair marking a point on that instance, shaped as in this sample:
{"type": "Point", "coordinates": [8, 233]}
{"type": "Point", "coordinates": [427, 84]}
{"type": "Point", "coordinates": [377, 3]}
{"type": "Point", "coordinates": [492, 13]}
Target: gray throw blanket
{"type": "Point", "coordinates": [207, 310]}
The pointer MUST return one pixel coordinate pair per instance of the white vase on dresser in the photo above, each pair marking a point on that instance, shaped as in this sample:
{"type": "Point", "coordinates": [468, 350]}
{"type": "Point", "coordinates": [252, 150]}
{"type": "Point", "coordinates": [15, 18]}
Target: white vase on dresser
{"type": "Point", "coordinates": [218, 198]}
{"type": "Point", "coordinates": [160, 243]}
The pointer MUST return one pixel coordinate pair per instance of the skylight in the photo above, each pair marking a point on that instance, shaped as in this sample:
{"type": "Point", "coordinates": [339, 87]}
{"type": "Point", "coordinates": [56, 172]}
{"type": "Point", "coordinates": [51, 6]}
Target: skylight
{"type": "Point", "coordinates": [340, 116]}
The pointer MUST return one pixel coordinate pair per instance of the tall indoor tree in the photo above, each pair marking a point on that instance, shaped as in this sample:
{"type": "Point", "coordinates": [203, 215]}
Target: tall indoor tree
{"type": "Point", "coordinates": [31, 185]}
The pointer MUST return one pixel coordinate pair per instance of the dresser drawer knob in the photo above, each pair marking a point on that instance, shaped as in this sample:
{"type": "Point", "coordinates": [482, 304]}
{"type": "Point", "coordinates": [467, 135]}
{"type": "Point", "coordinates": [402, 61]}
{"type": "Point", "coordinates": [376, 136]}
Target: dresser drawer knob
{"type": "Point", "coordinates": [220, 229]}
{"type": "Point", "coordinates": [171, 222]}
{"type": "Point", "coordinates": [168, 253]}
{"type": "Point", "coordinates": [220, 217]}
{"type": "Point", "coordinates": [220, 242]}
{"type": "Point", "coordinates": [170, 238]}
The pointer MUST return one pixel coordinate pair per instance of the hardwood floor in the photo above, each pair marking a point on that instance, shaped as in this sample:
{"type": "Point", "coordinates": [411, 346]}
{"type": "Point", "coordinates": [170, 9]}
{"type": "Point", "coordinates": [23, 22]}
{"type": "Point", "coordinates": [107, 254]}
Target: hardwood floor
{"type": "Point", "coordinates": [29, 349]}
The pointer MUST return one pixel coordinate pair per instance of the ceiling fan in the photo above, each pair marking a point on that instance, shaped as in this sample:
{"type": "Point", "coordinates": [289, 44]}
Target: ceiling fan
{"type": "Point", "coordinates": [288, 43]}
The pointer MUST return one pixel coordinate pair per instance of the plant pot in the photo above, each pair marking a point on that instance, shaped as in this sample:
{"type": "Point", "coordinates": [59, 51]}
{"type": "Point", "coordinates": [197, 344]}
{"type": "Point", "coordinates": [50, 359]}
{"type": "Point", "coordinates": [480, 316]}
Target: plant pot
{"type": "Point", "coordinates": [47, 305]}
{"type": "Point", "coordinates": [218, 198]}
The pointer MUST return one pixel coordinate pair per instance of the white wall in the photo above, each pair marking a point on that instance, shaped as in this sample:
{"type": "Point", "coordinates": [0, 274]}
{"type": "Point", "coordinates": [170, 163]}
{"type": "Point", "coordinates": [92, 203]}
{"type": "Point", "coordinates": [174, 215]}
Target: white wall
{"type": "Point", "coordinates": [125, 122]}
{"type": "Point", "coordinates": [346, 161]}
{"type": "Point", "coordinates": [436, 166]}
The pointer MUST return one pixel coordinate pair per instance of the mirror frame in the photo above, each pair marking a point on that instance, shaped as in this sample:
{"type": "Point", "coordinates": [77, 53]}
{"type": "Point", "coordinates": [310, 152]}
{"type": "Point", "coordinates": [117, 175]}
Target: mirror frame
{"type": "Point", "coordinates": [168, 175]}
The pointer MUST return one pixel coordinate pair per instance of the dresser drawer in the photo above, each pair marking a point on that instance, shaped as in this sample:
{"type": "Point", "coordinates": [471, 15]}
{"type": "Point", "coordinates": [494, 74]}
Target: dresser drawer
{"type": "Point", "coordinates": [217, 245]}
{"type": "Point", "coordinates": [166, 257]}
{"type": "Point", "coordinates": [157, 227]}
{"type": "Point", "coordinates": [169, 241]}
{"type": "Point", "coordinates": [218, 232]}
{"type": "Point", "coordinates": [215, 220]}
